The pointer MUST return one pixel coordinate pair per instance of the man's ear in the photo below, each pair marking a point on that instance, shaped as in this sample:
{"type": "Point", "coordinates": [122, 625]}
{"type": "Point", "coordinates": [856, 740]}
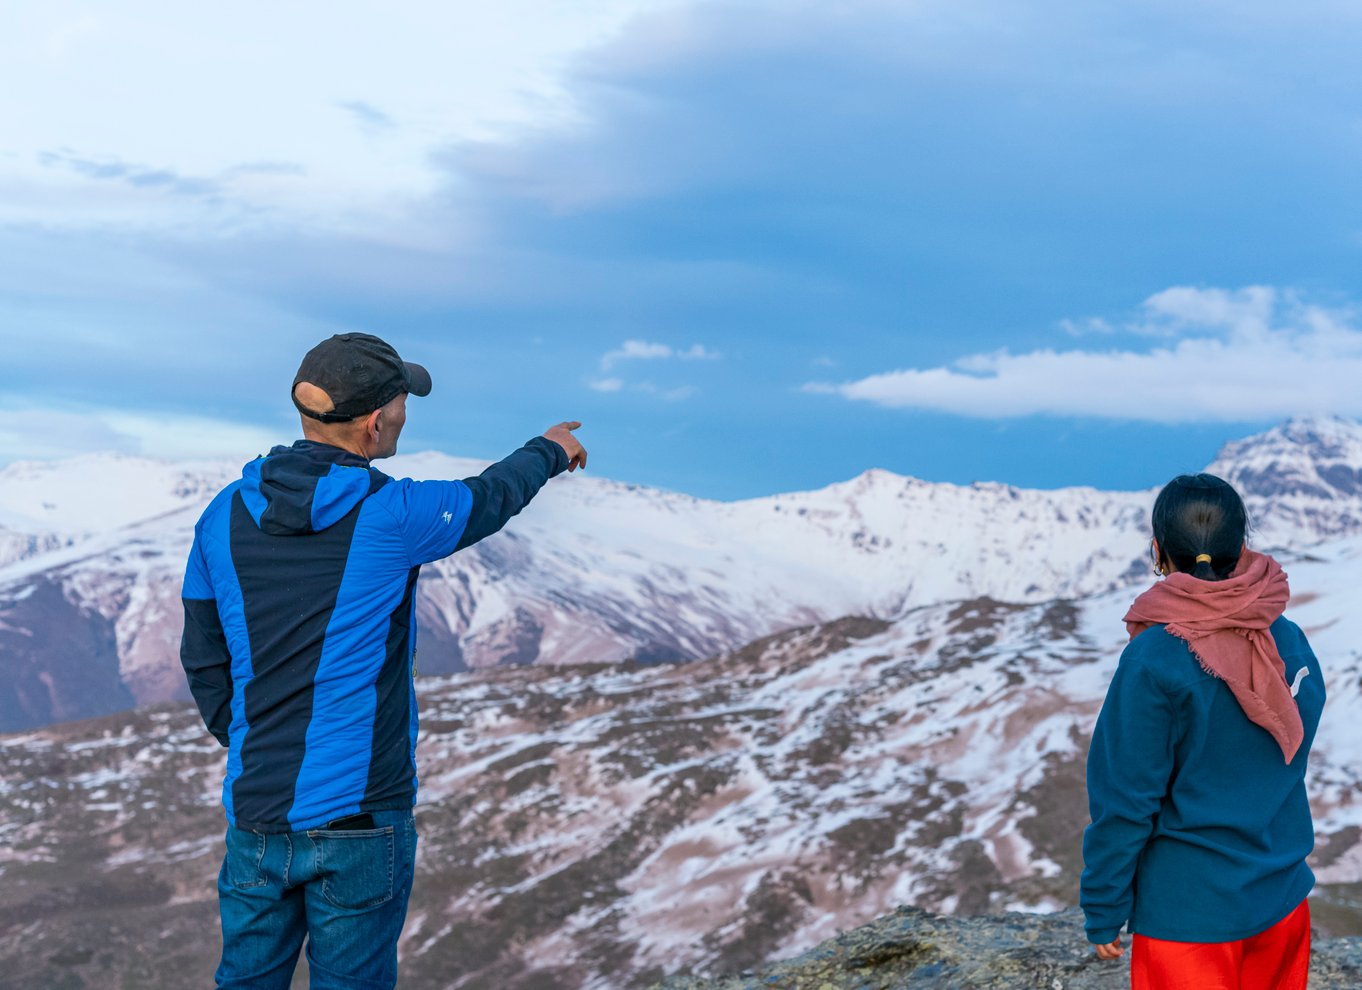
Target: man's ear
{"type": "Point", "coordinates": [373, 425]}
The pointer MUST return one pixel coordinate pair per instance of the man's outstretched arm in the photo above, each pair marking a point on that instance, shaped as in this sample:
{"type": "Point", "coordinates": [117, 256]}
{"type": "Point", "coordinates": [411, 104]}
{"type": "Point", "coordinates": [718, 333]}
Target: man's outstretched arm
{"type": "Point", "coordinates": [440, 517]}
{"type": "Point", "coordinates": [507, 486]}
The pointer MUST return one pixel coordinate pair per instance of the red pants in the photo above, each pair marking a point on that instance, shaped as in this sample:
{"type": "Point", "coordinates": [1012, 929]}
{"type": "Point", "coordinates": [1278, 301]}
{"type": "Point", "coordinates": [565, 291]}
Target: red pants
{"type": "Point", "coordinates": [1277, 959]}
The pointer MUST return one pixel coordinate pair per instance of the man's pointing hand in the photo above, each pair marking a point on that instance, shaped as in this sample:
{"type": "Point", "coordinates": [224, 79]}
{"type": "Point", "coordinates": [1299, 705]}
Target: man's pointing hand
{"type": "Point", "coordinates": [562, 436]}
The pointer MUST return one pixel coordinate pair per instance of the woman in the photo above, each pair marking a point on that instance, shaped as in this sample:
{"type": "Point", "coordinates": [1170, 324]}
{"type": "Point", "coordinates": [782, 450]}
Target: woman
{"type": "Point", "coordinates": [1196, 774]}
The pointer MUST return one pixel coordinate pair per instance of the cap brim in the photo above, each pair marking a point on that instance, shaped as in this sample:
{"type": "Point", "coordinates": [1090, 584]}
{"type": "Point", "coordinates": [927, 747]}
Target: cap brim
{"type": "Point", "coordinates": [418, 379]}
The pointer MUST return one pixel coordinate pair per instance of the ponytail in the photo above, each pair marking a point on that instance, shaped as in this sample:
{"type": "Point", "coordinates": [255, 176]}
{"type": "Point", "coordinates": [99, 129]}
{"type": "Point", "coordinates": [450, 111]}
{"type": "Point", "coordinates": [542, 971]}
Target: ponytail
{"type": "Point", "coordinates": [1200, 522]}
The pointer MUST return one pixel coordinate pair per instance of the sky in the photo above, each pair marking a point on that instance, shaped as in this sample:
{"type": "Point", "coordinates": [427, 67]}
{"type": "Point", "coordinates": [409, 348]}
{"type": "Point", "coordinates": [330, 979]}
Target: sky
{"type": "Point", "coordinates": [753, 246]}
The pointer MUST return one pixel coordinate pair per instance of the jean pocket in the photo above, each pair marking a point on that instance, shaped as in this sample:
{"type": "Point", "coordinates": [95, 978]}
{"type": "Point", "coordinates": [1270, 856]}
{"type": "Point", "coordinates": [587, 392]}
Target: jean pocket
{"type": "Point", "coordinates": [356, 866]}
{"type": "Point", "coordinates": [245, 854]}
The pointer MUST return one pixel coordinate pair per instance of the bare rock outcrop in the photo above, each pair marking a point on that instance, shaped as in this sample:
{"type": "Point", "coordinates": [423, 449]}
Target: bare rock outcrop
{"type": "Point", "coordinates": [912, 949]}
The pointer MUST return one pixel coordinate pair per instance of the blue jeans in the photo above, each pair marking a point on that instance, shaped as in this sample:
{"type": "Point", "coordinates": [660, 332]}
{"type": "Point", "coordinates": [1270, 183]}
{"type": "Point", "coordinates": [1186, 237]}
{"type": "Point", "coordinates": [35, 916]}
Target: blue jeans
{"type": "Point", "coordinates": [345, 891]}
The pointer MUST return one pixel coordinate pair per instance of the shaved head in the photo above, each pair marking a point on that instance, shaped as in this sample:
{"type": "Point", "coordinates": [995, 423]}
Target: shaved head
{"type": "Point", "coordinates": [314, 398]}
{"type": "Point", "coordinates": [372, 435]}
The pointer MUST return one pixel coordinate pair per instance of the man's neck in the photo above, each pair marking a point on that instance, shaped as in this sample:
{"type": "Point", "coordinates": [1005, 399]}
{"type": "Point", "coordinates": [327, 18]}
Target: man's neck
{"type": "Point", "coordinates": [353, 445]}
{"type": "Point", "coordinates": [338, 445]}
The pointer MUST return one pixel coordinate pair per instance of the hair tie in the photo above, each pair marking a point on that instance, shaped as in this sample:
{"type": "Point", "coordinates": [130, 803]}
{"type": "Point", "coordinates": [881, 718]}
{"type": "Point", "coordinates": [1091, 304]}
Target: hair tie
{"type": "Point", "coordinates": [1203, 558]}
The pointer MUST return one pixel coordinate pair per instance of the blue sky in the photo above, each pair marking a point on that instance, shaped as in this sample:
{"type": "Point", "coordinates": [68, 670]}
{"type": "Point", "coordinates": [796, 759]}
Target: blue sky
{"type": "Point", "coordinates": [754, 246]}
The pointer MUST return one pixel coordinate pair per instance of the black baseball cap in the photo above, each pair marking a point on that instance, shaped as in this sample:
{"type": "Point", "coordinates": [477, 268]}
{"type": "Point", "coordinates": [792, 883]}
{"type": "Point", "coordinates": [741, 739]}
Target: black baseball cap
{"type": "Point", "coordinates": [360, 373]}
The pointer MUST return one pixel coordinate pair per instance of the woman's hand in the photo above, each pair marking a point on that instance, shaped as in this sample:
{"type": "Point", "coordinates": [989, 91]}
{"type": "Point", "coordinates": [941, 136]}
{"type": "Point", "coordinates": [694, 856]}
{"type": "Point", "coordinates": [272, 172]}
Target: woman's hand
{"type": "Point", "coordinates": [1112, 951]}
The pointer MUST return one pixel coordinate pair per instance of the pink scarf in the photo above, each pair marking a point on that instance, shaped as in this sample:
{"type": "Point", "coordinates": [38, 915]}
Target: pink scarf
{"type": "Point", "coordinates": [1226, 625]}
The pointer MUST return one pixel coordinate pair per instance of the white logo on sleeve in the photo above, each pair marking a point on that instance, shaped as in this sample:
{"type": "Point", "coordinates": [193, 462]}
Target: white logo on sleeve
{"type": "Point", "coordinates": [1301, 675]}
{"type": "Point", "coordinates": [448, 517]}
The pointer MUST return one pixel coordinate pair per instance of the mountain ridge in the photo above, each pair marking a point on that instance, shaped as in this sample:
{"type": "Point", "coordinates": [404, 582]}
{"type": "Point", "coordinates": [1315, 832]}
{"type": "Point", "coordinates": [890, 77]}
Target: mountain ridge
{"type": "Point", "coordinates": [603, 571]}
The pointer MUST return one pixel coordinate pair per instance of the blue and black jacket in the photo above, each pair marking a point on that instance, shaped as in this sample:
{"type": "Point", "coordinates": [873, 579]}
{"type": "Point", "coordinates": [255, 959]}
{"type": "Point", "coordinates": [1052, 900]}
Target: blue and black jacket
{"type": "Point", "coordinates": [300, 622]}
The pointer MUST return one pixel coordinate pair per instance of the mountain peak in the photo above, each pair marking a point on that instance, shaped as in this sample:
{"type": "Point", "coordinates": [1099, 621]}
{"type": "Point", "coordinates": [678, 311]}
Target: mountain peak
{"type": "Point", "coordinates": [1318, 457]}
{"type": "Point", "coordinates": [1315, 431]}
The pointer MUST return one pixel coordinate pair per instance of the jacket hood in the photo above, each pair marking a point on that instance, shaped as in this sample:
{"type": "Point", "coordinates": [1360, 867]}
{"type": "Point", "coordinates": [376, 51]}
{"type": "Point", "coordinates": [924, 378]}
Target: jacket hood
{"type": "Point", "coordinates": [305, 488]}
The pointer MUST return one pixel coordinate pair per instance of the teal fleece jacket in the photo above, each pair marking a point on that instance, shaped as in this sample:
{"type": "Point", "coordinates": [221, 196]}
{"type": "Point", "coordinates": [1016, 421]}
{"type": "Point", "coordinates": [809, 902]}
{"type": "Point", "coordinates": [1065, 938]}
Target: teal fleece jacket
{"type": "Point", "coordinates": [1200, 829]}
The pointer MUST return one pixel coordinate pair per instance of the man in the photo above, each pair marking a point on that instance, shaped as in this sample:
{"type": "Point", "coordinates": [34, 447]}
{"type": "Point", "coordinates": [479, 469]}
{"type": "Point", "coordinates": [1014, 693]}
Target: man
{"type": "Point", "coordinates": [298, 641]}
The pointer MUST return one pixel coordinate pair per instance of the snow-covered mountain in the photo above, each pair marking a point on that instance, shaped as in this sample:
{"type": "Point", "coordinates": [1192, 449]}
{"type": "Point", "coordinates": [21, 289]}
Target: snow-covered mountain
{"type": "Point", "coordinates": [906, 722]}
{"type": "Point", "coordinates": [597, 571]}
{"type": "Point", "coordinates": [1305, 476]}
{"type": "Point", "coordinates": [601, 826]}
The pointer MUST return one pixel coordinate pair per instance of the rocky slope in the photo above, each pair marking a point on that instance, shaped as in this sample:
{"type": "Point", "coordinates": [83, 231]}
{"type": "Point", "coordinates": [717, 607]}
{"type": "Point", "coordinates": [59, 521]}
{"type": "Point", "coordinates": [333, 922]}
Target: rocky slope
{"type": "Point", "coordinates": [911, 948]}
{"type": "Point", "coordinates": [92, 549]}
{"type": "Point", "coordinates": [607, 826]}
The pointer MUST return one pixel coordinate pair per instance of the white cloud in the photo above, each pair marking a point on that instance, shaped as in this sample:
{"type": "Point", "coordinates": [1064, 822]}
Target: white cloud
{"type": "Point", "coordinates": [635, 350]}
{"type": "Point", "coordinates": [676, 394]}
{"type": "Point", "coordinates": [1243, 312]}
{"type": "Point", "coordinates": [642, 350]}
{"type": "Point", "coordinates": [1249, 354]}
{"type": "Point", "coordinates": [698, 352]}
{"type": "Point", "coordinates": [34, 433]}
{"type": "Point", "coordinates": [443, 71]}
{"type": "Point", "coordinates": [1086, 327]}
{"type": "Point", "coordinates": [159, 435]}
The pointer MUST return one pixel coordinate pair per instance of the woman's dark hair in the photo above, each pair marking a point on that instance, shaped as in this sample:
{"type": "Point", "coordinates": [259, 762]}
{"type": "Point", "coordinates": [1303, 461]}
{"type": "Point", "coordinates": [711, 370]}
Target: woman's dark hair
{"type": "Point", "coordinates": [1198, 514]}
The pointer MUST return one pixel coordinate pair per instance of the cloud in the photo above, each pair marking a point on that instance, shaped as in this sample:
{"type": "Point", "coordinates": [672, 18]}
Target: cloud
{"type": "Point", "coordinates": [149, 177]}
{"type": "Point", "coordinates": [1086, 327]}
{"type": "Point", "coordinates": [636, 350]}
{"type": "Point", "coordinates": [1236, 356]}
{"type": "Point", "coordinates": [1243, 312]}
{"type": "Point", "coordinates": [642, 350]}
{"type": "Point", "coordinates": [265, 168]}
{"type": "Point", "coordinates": [856, 179]}
{"type": "Point", "coordinates": [613, 385]}
{"type": "Point", "coordinates": [367, 115]}
{"type": "Point", "coordinates": [36, 432]}
{"type": "Point", "coordinates": [137, 176]}
{"type": "Point", "coordinates": [1172, 312]}
{"type": "Point", "coordinates": [698, 353]}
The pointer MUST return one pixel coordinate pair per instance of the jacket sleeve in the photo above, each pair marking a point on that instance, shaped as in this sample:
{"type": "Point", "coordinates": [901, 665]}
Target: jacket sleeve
{"type": "Point", "coordinates": [439, 517]}
{"type": "Point", "coordinates": [508, 485]}
{"type": "Point", "coordinates": [1130, 763]}
{"type": "Point", "coordinates": [203, 647]}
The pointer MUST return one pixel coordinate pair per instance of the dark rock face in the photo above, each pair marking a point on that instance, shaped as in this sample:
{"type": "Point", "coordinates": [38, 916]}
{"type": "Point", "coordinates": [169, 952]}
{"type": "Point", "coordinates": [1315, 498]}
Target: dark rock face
{"type": "Point", "coordinates": [912, 948]}
{"type": "Point", "coordinates": [60, 659]}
